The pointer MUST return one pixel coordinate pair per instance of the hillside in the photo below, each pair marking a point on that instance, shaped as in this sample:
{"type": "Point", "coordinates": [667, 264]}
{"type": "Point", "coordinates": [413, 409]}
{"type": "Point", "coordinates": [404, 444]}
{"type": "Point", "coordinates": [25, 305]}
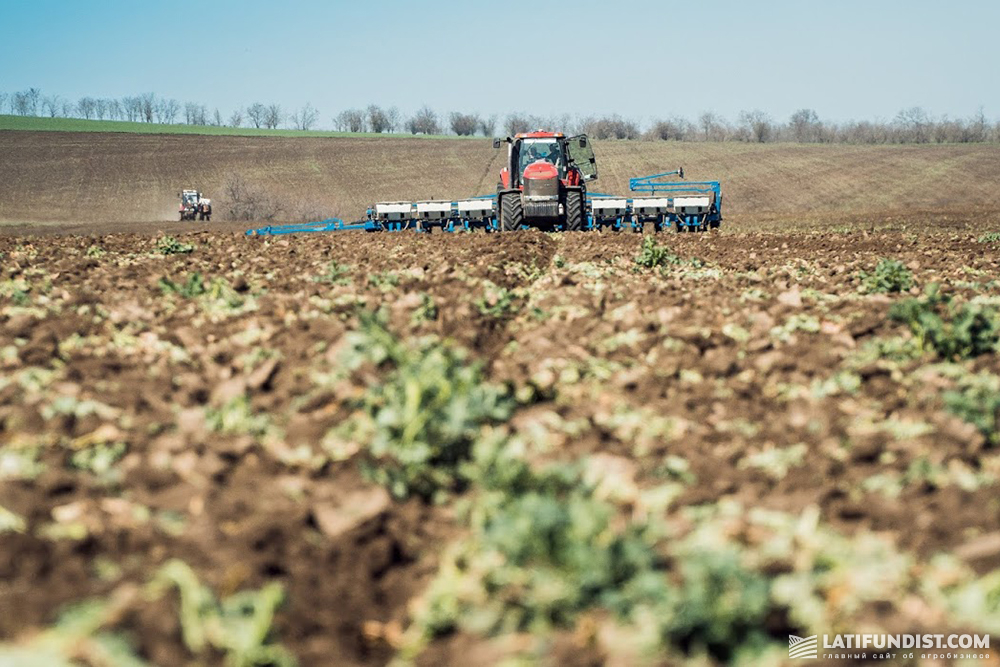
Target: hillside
{"type": "Point", "coordinates": [88, 177]}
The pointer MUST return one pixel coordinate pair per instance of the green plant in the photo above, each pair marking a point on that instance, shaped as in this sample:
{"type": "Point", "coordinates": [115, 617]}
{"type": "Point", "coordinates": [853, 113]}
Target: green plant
{"type": "Point", "coordinates": [776, 461]}
{"type": "Point", "coordinates": [977, 401]}
{"type": "Point", "coordinates": [384, 281]}
{"type": "Point", "coordinates": [99, 458]}
{"type": "Point", "coordinates": [216, 292]}
{"type": "Point", "coordinates": [497, 301]}
{"type": "Point", "coordinates": [953, 332]}
{"type": "Point", "coordinates": [11, 522]}
{"type": "Point", "coordinates": [652, 254]}
{"type": "Point", "coordinates": [990, 237]}
{"type": "Point", "coordinates": [890, 275]}
{"type": "Point", "coordinates": [193, 287]}
{"type": "Point", "coordinates": [168, 245]}
{"type": "Point", "coordinates": [427, 311]}
{"type": "Point", "coordinates": [542, 549]}
{"type": "Point", "coordinates": [238, 626]}
{"type": "Point", "coordinates": [419, 423]}
{"type": "Point", "coordinates": [95, 251]}
{"type": "Point", "coordinates": [82, 629]}
{"type": "Point", "coordinates": [18, 290]}
{"type": "Point", "coordinates": [336, 274]}
{"type": "Point", "coordinates": [236, 417]}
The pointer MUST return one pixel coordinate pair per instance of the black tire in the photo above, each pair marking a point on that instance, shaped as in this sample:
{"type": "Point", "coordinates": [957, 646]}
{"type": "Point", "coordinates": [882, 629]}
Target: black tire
{"type": "Point", "coordinates": [511, 212]}
{"type": "Point", "coordinates": [575, 213]}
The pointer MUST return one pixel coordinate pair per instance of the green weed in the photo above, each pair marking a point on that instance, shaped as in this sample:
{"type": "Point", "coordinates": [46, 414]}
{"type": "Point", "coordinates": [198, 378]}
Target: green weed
{"type": "Point", "coordinates": [977, 401]}
{"type": "Point", "coordinates": [951, 331]}
{"type": "Point", "coordinates": [17, 290]}
{"type": "Point", "coordinates": [497, 301]}
{"type": "Point", "coordinates": [384, 281]}
{"type": "Point", "coordinates": [237, 418]}
{"type": "Point", "coordinates": [80, 630]}
{"type": "Point", "coordinates": [168, 245]}
{"type": "Point", "coordinates": [419, 423]}
{"type": "Point", "coordinates": [336, 274]}
{"type": "Point", "coordinates": [239, 626]}
{"type": "Point", "coordinates": [890, 275]}
{"type": "Point", "coordinates": [427, 311]}
{"type": "Point", "coordinates": [216, 292]}
{"type": "Point", "coordinates": [652, 255]}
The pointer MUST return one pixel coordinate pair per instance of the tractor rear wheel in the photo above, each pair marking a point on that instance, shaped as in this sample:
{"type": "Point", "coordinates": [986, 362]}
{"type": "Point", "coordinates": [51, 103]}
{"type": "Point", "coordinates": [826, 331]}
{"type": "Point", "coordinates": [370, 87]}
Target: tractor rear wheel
{"type": "Point", "coordinates": [574, 211]}
{"type": "Point", "coordinates": [511, 212]}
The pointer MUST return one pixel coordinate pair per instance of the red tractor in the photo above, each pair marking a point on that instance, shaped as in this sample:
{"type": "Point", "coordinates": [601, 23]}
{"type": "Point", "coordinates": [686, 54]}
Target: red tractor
{"type": "Point", "coordinates": [544, 182]}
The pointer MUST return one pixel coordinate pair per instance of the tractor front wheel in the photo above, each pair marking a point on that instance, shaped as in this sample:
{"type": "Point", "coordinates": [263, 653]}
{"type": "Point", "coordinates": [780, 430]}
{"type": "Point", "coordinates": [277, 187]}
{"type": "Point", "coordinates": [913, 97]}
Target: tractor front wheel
{"type": "Point", "coordinates": [575, 214]}
{"type": "Point", "coordinates": [511, 212]}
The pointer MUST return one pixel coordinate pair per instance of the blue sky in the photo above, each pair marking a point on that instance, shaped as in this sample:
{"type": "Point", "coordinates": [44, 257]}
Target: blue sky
{"type": "Point", "coordinates": [642, 59]}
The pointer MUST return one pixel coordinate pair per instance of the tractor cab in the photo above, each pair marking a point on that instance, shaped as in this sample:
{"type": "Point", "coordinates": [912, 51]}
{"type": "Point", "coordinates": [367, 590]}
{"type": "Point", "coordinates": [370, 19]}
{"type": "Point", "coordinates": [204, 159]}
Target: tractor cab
{"type": "Point", "coordinates": [572, 157]}
{"type": "Point", "coordinates": [548, 150]}
{"type": "Point", "coordinates": [190, 198]}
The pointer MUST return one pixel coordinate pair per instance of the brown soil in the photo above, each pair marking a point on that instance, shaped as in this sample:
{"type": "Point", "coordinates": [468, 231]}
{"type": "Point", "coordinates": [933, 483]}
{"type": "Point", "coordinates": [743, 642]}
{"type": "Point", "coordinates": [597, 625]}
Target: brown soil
{"type": "Point", "coordinates": [250, 512]}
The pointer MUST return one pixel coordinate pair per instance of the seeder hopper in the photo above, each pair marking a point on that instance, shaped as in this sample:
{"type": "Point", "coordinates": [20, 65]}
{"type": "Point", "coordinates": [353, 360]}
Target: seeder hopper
{"type": "Point", "coordinates": [544, 185]}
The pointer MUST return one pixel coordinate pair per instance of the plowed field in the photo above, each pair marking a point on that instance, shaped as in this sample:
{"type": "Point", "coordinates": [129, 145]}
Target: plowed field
{"type": "Point", "coordinates": [462, 449]}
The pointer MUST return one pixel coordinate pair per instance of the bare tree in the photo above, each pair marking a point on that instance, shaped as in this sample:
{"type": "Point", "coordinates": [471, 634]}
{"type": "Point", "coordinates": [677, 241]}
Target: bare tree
{"type": "Point", "coordinates": [712, 127]}
{"type": "Point", "coordinates": [147, 106]}
{"type": "Point", "coordinates": [19, 104]}
{"type": "Point", "coordinates": [378, 120]}
{"type": "Point", "coordinates": [757, 125]}
{"type": "Point", "coordinates": [516, 123]}
{"type": "Point", "coordinates": [914, 124]}
{"type": "Point", "coordinates": [236, 118]}
{"type": "Point", "coordinates": [86, 107]}
{"type": "Point", "coordinates": [167, 110]}
{"type": "Point", "coordinates": [132, 108]}
{"type": "Point", "coordinates": [463, 124]}
{"type": "Point", "coordinates": [249, 201]}
{"type": "Point", "coordinates": [978, 129]}
{"type": "Point", "coordinates": [273, 116]}
{"type": "Point", "coordinates": [171, 109]}
{"type": "Point", "coordinates": [424, 122]}
{"type": "Point", "coordinates": [3, 100]}
{"type": "Point", "coordinates": [804, 126]}
{"type": "Point", "coordinates": [257, 113]}
{"type": "Point", "coordinates": [195, 114]}
{"type": "Point", "coordinates": [51, 104]}
{"type": "Point", "coordinates": [351, 120]}
{"type": "Point", "coordinates": [671, 129]}
{"type": "Point", "coordinates": [487, 126]}
{"type": "Point", "coordinates": [32, 101]}
{"type": "Point", "coordinates": [101, 108]}
{"type": "Point", "coordinates": [305, 118]}
{"type": "Point", "coordinates": [611, 127]}
{"type": "Point", "coordinates": [395, 119]}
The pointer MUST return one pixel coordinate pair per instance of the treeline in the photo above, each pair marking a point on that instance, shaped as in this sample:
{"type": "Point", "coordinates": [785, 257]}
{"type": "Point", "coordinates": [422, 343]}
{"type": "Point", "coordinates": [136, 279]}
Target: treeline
{"type": "Point", "coordinates": [909, 126]}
